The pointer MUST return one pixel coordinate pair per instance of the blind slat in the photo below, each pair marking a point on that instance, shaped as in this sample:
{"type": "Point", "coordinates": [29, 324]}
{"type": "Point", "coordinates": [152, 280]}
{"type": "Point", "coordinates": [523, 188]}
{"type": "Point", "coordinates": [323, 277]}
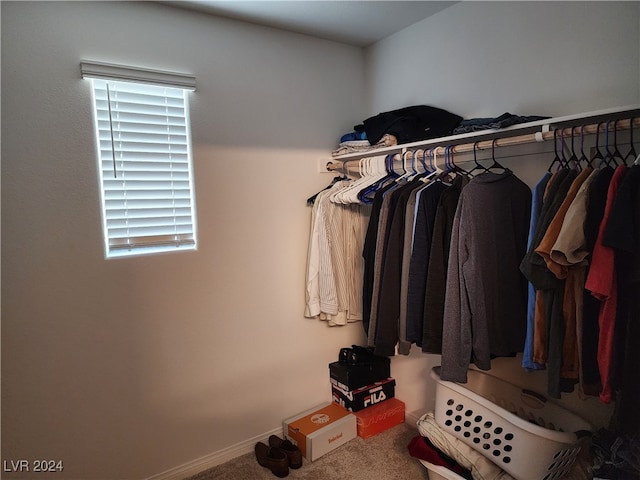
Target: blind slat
{"type": "Point", "coordinates": [146, 156]}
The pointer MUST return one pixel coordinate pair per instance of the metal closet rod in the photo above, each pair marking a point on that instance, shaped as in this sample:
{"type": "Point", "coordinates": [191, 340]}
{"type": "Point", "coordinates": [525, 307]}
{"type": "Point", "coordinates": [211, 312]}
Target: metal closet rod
{"type": "Point", "coordinates": [619, 119]}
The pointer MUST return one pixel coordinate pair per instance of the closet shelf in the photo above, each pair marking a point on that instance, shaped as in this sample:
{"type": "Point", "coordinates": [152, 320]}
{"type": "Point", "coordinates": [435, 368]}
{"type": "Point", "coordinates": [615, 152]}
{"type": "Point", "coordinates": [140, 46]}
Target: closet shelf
{"type": "Point", "coordinates": [619, 118]}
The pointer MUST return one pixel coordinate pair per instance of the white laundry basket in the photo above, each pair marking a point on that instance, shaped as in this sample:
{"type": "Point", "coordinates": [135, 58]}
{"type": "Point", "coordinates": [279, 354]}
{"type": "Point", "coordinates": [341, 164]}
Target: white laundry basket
{"type": "Point", "coordinates": [518, 430]}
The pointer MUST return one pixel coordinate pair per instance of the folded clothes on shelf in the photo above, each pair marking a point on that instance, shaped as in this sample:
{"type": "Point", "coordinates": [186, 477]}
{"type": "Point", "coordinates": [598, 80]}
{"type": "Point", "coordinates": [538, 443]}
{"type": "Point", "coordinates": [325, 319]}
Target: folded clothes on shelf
{"type": "Point", "coordinates": [503, 121]}
{"type": "Point", "coordinates": [355, 146]}
{"type": "Point", "coordinates": [354, 136]}
{"type": "Point", "coordinates": [410, 124]}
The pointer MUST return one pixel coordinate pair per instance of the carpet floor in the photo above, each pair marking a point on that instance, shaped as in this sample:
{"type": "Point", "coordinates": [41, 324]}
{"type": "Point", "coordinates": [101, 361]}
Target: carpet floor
{"type": "Point", "coordinates": [382, 457]}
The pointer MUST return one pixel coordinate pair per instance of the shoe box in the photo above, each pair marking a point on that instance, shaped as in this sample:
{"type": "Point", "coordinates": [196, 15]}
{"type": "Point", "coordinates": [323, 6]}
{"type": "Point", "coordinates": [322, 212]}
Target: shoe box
{"type": "Point", "coordinates": [319, 430]}
{"type": "Point", "coordinates": [361, 398]}
{"type": "Point", "coordinates": [361, 382]}
{"type": "Point", "coordinates": [351, 377]}
{"type": "Point", "coordinates": [380, 417]}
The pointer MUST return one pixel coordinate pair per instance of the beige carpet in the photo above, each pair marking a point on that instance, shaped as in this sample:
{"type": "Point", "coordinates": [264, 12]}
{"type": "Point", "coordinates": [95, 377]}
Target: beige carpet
{"type": "Point", "coordinates": [382, 457]}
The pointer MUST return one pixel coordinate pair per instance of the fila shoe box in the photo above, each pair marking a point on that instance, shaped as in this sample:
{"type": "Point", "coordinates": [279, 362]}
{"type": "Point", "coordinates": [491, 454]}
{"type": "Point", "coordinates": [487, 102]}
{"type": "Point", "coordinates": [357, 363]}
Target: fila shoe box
{"type": "Point", "coordinates": [356, 400]}
{"type": "Point", "coordinates": [380, 417]}
{"type": "Point", "coordinates": [320, 430]}
{"type": "Point", "coordinates": [352, 377]}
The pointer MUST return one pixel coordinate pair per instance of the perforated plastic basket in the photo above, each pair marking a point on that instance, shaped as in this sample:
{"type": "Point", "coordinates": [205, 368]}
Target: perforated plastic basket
{"type": "Point", "coordinates": [518, 430]}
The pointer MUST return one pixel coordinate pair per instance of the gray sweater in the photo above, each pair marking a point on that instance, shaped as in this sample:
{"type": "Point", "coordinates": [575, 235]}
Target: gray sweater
{"type": "Point", "coordinates": [486, 294]}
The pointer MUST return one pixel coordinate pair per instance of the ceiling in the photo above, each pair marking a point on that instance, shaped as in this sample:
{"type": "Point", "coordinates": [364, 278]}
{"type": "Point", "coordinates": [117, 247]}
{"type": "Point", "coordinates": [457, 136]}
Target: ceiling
{"type": "Point", "coordinates": [359, 23]}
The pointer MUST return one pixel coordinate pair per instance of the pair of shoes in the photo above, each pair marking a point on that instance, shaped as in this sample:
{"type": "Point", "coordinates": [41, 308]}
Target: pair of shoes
{"type": "Point", "coordinates": [356, 355]}
{"type": "Point", "coordinates": [292, 451]}
{"type": "Point", "coordinates": [272, 458]}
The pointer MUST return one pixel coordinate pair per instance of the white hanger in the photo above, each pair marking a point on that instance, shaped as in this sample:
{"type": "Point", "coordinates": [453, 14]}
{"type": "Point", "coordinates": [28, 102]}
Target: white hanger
{"type": "Point", "coordinates": [379, 172]}
{"type": "Point", "coordinates": [416, 162]}
{"type": "Point", "coordinates": [407, 172]}
{"type": "Point", "coordinates": [336, 197]}
{"type": "Point", "coordinates": [371, 170]}
{"type": "Point", "coordinates": [437, 170]}
{"type": "Point", "coordinates": [637, 162]}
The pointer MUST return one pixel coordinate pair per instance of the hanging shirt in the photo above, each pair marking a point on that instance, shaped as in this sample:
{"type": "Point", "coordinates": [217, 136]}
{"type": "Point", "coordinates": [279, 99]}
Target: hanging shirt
{"type": "Point", "coordinates": [334, 261]}
{"type": "Point", "coordinates": [404, 347]}
{"type": "Point", "coordinates": [532, 265]}
{"type": "Point", "coordinates": [623, 234]}
{"type": "Point", "coordinates": [369, 254]}
{"type": "Point", "coordinates": [420, 254]}
{"type": "Point", "coordinates": [388, 306]}
{"type": "Point", "coordinates": [355, 230]}
{"type": "Point", "coordinates": [570, 247]}
{"type": "Point", "coordinates": [321, 295]}
{"type": "Point", "coordinates": [562, 340]}
{"type": "Point", "coordinates": [485, 302]}
{"type": "Point", "coordinates": [388, 204]}
{"type": "Point", "coordinates": [336, 216]}
{"type": "Point", "coordinates": [597, 199]}
{"type": "Point", "coordinates": [602, 282]}
{"type": "Point", "coordinates": [434, 295]}
{"type": "Point", "coordinates": [536, 205]}
{"type": "Point", "coordinates": [569, 252]}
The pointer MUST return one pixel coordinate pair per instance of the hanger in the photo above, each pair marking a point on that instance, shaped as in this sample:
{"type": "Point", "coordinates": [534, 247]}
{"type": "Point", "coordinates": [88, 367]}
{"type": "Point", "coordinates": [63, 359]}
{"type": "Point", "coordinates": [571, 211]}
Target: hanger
{"type": "Point", "coordinates": [598, 154]}
{"type": "Point", "coordinates": [415, 161]}
{"type": "Point", "coordinates": [385, 174]}
{"type": "Point", "coordinates": [443, 173]}
{"type": "Point", "coordinates": [608, 154]}
{"type": "Point", "coordinates": [447, 165]}
{"type": "Point", "coordinates": [367, 171]}
{"type": "Point", "coordinates": [556, 158]}
{"type": "Point", "coordinates": [563, 159]}
{"type": "Point", "coordinates": [573, 159]}
{"type": "Point", "coordinates": [435, 171]}
{"type": "Point", "coordinates": [632, 153]}
{"type": "Point", "coordinates": [452, 169]}
{"type": "Point", "coordinates": [340, 195]}
{"type": "Point", "coordinates": [478, 165]}
{"type": "Point", "coordinates": [616, 151]}
{"type": "Point", "coordinates": [406, 171]}
{"type": "Point", "coordinates": [311, 200]}
{"type": "Point", "coordinates": [455, 168]}
{"type": "Point", "coordinates": [495, 163]}
{"type": "Point", "coordinates": [427, 168]}
{"type": "Point", "coordinates": [583, 158]}
{"type": "Point", "coordinates": [418, 162]}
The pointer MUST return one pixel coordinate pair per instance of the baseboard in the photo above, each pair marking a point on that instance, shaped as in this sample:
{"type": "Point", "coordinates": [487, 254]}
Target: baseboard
{"type": "Point", "coordinates": [216, 458]}
{"type": "Point", "coordinates": [412, 417]}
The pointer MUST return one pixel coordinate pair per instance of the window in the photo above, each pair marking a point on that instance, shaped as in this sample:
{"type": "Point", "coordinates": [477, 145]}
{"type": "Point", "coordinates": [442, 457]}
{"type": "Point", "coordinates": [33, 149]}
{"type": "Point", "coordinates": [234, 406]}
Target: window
{"type": "Point", "coordinates": [144, 159]}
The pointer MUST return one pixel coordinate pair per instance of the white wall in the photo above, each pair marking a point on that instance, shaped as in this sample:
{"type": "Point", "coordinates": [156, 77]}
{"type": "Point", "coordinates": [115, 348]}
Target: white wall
{"type": "Point", "coordinates": [481, 59]}
{"type": "Point", "coordinates": [127, 368]}
{"type": "Point", "coordinates": [528, 58]}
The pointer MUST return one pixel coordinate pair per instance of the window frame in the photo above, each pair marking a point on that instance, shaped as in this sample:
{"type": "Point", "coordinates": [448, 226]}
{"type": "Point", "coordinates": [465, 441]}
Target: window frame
{"type": "Point", "coordinates": [141, 243]}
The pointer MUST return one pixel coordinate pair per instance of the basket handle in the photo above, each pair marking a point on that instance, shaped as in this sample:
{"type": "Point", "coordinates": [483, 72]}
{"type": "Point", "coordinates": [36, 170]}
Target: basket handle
{"type": "Point", "coordinates": [533, 399]}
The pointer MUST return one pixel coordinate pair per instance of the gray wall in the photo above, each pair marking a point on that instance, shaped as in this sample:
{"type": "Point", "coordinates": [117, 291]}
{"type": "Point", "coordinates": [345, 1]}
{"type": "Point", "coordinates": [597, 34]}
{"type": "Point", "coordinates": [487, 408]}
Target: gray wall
{"type": "Point", "coordinates": [482, 59]}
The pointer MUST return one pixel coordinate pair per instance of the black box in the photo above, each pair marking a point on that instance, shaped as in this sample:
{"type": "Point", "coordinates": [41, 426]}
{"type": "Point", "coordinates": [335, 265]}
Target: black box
{"type": "Point", "coordinates": [352, 377]}
{"type": "Point", "coordinates": [356, 400]}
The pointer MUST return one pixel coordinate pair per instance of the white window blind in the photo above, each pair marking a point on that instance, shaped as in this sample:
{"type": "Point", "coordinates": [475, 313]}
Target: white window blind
{"type": "Point", "coordinates": [145, 167]}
